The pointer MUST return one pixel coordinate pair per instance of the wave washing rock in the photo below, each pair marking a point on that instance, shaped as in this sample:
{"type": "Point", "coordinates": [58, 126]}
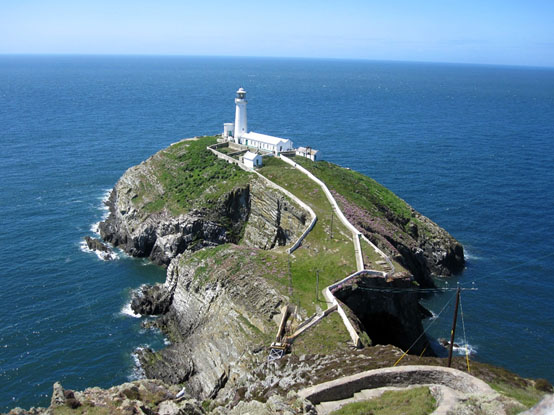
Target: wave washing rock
{"type": "Point", "coordinates": [98, 246]}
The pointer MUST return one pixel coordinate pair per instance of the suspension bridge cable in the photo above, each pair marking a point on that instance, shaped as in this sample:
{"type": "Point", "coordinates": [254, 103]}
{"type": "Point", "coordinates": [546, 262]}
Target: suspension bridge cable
{"type": "Point", "coordinates": [425, 331]}
{"type": "Point", "coordinates": [416, 290]}
{"type": "Point", "coordinates": [511, 268]}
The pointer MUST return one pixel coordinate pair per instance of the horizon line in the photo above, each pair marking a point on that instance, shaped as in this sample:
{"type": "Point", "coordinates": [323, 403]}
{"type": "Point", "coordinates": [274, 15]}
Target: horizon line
{"type": "Point", "coordinates": [180, 55]}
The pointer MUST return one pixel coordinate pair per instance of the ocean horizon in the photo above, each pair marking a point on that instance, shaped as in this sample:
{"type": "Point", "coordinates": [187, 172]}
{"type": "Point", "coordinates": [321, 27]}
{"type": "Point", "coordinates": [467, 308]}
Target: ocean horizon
{"type": "Point", "coordinates": [469, 146]}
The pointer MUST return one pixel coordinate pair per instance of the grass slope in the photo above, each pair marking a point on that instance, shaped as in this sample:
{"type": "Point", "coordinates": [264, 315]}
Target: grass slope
{"type": "Point", "coordinates": [362, 191]}
{"type": "Point", "coordinates": [332, 256]}
{"type": "Point", "coordinates": [190, 176]}
{"type": "Point", "coordinates": [416, 401]}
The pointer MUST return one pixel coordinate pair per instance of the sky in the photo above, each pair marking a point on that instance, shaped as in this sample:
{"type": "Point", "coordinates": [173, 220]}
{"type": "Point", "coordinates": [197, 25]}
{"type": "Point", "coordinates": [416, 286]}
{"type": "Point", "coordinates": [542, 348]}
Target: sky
{"type": "Point", "coordinates": [508, 32]}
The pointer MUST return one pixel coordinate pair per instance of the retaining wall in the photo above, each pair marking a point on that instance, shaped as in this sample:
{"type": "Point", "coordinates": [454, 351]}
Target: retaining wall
{"type": "Point", "coordinates": [403, 376]}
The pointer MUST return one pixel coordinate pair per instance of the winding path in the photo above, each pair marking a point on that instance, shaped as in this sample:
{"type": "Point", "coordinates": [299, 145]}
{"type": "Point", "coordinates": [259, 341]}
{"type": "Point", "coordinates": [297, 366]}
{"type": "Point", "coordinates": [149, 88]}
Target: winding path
{"type": "Point", "coordinates": [356, 235]}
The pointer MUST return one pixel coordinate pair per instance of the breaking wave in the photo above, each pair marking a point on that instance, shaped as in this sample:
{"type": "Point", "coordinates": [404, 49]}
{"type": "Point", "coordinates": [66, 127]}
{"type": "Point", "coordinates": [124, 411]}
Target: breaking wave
{"type": "Point", "coordinates": [128, 311]}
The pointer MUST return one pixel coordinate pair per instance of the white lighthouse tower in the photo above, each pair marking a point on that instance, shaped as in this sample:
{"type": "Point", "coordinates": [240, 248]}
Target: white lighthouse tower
{"type": "Point", "coordinates": [240, 115]}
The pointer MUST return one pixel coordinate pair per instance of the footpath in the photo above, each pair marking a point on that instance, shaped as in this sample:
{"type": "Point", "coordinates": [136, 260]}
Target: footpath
{"type": "Point", "coordinates": [333, 303]}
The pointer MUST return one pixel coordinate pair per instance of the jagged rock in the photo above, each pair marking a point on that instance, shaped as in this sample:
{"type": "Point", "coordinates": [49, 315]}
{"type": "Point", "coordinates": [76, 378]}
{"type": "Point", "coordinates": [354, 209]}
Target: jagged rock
{"type": "Point", "coordinates": [273, 220]}
{"type": "Point", "coordinates": [96, 245]}
{"type": "Point", "coordinates": [267, 218]}
{"type": "Point", "coordinates": [214, 320]}
{"type": "Point", "coordinates": [172, 364]}
{"type": "Point", "coordinates": [58, 397]}
{"type": "Point", "coordinates": [188, 407]}
{"type": "Point", "coordinates": [151, 300]}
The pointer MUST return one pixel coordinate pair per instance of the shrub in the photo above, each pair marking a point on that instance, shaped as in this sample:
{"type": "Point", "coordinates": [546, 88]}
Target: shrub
{"type": "Point", "coordinates": [543, 385]}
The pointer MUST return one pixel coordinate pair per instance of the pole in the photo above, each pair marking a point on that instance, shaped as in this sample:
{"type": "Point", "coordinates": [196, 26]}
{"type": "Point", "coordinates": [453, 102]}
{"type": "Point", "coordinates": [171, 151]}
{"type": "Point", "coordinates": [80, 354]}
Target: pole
{"type": "Point", "coordinates": [317, 286]}
{"type": "Point", "coordinates": [290, 280]}
{"type": "Point", "coordinates": [332, 224]}
{"type": "Point", "coordinates": [453, 326]}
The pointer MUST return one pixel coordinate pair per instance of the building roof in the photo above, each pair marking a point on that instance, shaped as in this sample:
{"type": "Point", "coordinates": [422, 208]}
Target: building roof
{"type": "Point", "coordinates": [305, 150]}
{"type": "Point", "coordinates": [250, 156]}
{"type": "Point", "coordinates": [264, 138]}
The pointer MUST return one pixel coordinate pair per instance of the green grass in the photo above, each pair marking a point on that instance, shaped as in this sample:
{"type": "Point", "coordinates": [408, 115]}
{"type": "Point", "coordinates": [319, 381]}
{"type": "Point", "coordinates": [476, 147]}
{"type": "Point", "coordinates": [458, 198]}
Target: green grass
{"type": "Point", "coordinates": [361, 190]}
{"type": "Point", "coordinates": [417, 401]}
{"type": "Point", "coordinates": [190, 177]}
{"type": "Point", "coordinates": [84, 410]}
{"type": "Point", "coordinates": [326, 337]}
{"type": "Point", "coordinates": [332, 256]}
{"type": "Point", "coordinates": [527, 396]}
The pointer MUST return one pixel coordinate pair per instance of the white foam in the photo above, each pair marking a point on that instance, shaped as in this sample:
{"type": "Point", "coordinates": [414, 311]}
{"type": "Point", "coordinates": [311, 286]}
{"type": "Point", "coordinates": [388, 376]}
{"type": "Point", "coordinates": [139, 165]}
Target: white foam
{"type": "Point", "coordinates": [137, 372]}
{"type": "Point", "coordinates": [128, 311]}
{"type": "Point", "coordinates": [105, 196]}
{"type": "Point", "coordinates": [104, 256]}
{"type": "Point", "coordinates": [469, 256]}
{"type": "Point", "coordinates": [465, 348]}
{"type": "Point", "coordinates": [94, 228]}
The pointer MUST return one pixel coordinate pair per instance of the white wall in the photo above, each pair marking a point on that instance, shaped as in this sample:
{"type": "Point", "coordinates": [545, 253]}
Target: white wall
{"type": "Point", "coordinates": [240, 118]}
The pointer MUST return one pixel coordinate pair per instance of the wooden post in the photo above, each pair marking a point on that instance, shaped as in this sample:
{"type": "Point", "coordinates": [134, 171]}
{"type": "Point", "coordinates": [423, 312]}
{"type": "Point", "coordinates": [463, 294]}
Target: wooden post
{"type": "Point", "coordinates": [317, 286]}
{"type": "Point", "coordinates": [290, 280]}
{"type": "Point", "coordinates": [453, 327]}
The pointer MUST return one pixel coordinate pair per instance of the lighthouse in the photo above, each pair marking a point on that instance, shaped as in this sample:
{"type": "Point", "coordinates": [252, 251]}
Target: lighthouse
{"type": "Point", "coordinates": [240, 115]}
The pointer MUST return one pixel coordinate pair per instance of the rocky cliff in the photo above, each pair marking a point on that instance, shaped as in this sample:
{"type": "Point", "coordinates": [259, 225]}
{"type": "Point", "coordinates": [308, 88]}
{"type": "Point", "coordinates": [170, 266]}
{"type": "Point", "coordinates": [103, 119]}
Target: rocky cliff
{"type": "Point", "coordinates": [210, 224]}
{"type": "Point", "coordinates": [407, 236]}
{"type": "Point", "coordinates": [218, 230]}
{"type": "Point", "coordinates": [221, 315]}
{"type": "Point", "coordinates": [152, 214]}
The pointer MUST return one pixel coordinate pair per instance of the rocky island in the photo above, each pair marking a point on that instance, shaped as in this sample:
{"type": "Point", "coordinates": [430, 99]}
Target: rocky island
{"type": "Point", "coordinates": [238, 282]}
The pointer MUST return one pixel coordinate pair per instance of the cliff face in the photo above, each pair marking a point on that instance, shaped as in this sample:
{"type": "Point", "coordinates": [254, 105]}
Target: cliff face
{"type": "Point", "coordinates": [215, 227]}
{"type": "Point", "coordinates": [219, 318]}
{"type": "Point", "coordinates": [146, 221]}
{"type": "Point", "coordinates": [415, 241]}
{"type": "Point", "coordinates": [387, 311]}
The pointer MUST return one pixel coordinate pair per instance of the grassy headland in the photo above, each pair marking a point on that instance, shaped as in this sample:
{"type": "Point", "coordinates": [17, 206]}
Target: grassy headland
{"type": "Point", "coordinates": [187, 176]}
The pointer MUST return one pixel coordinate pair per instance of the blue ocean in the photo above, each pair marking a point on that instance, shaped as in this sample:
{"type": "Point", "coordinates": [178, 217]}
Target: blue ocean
{"type": "Point", "coordinates": [472, 147]}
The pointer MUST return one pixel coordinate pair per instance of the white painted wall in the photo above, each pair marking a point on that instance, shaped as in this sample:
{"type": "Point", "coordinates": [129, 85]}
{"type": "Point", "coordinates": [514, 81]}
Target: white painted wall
{"type": "Point", "coordinates": [228, 129]}
{"type": "Point", "coordinates": [240, 114]}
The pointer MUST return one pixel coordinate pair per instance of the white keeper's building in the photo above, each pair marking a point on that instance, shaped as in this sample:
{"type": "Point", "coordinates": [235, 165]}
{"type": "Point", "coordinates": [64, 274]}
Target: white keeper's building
{"type": "Point", "coordinates": [238, 131]}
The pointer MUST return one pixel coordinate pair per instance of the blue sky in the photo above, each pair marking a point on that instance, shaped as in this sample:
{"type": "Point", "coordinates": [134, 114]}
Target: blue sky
{"type": "Point", "coordinates": [472, 31]}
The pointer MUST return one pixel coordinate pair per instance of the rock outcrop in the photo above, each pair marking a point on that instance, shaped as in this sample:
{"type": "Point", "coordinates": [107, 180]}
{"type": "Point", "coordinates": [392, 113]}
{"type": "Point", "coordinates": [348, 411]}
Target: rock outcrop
{"type": "Point", "coordinates": [143, 224]}
{"type": "Point", "coordinates": [388, 311]}
{"type": "Point", "coordinates": [416, 242]}
{"type": "Point", "coordinates": [220, 316]}
{"type": "Point", "coordinates": [101, 249]}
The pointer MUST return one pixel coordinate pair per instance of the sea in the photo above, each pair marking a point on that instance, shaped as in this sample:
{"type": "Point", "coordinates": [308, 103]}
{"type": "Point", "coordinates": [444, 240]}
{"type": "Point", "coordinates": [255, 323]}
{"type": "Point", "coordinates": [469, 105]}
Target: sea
{"type": "Point", "coordinates": [469, 146]}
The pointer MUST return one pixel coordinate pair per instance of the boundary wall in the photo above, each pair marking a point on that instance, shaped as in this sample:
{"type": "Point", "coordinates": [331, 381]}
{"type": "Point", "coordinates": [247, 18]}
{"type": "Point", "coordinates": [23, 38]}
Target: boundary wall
{"type": "Point", "coordinates": [403, 376]}
{"type": "Point", "coordinates": [356, 236]}
{"type": "Point", "coordinates": [341, 216]}
{"type": "Point", "coordinates": [328, 294]}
